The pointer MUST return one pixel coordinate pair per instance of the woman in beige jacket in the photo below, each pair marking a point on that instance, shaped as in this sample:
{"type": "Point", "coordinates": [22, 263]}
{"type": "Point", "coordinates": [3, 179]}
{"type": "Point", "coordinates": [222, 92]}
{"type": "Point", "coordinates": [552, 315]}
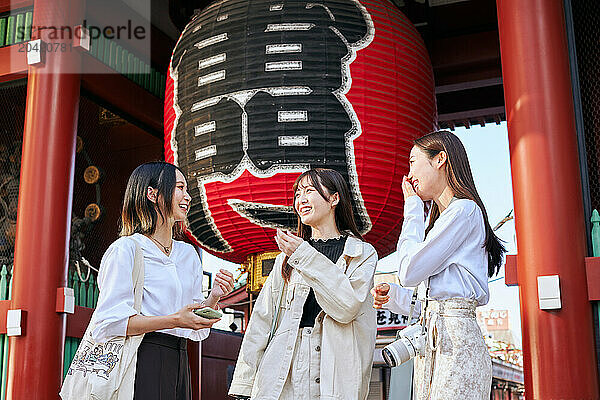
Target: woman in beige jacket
{"type": "Point", "coordinates": [324, 336]}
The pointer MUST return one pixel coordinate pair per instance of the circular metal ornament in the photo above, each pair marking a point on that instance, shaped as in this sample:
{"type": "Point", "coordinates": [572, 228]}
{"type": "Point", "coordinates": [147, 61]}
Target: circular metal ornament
{"type": "Point", "coordinates": [91, 175]}
{"type": "Point", "coordinates": [93, 212]}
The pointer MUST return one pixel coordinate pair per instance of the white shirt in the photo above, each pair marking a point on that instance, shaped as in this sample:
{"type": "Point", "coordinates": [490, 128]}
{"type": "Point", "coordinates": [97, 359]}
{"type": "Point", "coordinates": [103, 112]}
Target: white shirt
{"type": "Point", "coordinates": [170, 283]}
{"type": "Point", "coordinates": [452, 254]}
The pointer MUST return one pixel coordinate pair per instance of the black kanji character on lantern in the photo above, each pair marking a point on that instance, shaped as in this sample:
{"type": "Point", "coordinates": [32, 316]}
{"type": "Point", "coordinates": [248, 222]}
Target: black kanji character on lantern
{"type": "Point", "coordinates": [258, 87]}
{"type": "Point", "coordinates": [394, 319]}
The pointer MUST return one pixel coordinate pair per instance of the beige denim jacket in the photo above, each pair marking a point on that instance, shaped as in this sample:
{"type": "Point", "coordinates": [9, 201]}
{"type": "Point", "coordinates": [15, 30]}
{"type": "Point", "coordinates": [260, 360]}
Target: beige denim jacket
{"type": "Point", "coordinates": [347, 322]}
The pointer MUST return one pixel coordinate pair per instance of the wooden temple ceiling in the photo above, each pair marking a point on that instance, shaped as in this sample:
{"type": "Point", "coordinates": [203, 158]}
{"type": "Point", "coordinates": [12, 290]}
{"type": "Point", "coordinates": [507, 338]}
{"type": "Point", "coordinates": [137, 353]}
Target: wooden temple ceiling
{"type": "Point", "coordinates": [462, 39]}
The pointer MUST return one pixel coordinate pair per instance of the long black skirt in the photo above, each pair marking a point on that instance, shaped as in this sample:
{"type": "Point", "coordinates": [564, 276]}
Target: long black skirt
{"type": "Point", "coordinates": [162, 371]}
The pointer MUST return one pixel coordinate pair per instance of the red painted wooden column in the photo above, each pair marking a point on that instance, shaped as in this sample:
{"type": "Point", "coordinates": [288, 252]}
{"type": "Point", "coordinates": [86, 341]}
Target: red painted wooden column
{"type": "Point", "coordinates": [558, 345]}
{"type": "Point", "coordinates": [44, 209]}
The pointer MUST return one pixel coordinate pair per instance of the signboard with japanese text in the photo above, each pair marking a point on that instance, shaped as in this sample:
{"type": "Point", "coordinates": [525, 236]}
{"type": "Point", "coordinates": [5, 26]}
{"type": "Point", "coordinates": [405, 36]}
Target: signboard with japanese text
{"type": "Point", "coordinates": [387, 320]}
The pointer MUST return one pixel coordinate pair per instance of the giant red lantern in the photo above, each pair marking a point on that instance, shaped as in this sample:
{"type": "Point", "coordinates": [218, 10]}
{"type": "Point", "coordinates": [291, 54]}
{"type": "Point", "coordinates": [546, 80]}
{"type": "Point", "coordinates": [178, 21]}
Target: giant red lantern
{"type": "Point", "coordinates": [259, 91]}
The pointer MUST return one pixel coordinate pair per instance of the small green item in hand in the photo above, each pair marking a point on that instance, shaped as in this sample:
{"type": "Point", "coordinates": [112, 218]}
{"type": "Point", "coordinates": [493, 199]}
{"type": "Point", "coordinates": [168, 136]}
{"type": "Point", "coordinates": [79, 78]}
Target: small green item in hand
{"type": "Point", "coordinates": [207, 312]}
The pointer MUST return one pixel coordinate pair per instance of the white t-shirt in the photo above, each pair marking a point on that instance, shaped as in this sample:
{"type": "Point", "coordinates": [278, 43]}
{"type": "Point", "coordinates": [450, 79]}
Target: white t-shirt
{"type": "Point", "coordinates": [170, 283]}
{"type": "Point", "coordinates": [452, 254]}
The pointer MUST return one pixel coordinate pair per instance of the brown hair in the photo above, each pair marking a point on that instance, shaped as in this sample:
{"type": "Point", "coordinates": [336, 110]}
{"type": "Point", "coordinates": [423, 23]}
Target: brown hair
{"type": "Point", "coordinates": [460, 180]}
{"type": "Point", "coordinates": [327, 182]}
{"type": "Point", "coordinates": [139, 214]}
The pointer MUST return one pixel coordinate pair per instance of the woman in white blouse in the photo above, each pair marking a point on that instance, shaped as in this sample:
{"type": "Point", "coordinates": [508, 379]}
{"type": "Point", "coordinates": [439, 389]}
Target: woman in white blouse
{"type": "Point", "coordinates": [455, 253]}
{"type": "Point", "coordinates": [154, 213]}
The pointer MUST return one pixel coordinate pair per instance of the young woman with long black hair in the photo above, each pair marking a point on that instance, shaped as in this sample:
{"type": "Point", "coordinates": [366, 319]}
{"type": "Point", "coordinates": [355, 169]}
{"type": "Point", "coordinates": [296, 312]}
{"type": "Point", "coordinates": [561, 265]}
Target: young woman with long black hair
{"type": "Point", "coordinates": [455, 254]}
{"type": "Point", "coordinates": [324, 332]}
{"type": "Point", "coordinates": [153, 217]}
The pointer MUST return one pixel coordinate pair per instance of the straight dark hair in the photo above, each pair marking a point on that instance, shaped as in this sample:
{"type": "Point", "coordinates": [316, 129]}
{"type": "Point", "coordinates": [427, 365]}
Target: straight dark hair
{"type": "Point", "coordinates": [327, 182]}
{"type": "Point", "coordinates": [460, 180]}
{"type": "Point", "coordinates": [139, 214]}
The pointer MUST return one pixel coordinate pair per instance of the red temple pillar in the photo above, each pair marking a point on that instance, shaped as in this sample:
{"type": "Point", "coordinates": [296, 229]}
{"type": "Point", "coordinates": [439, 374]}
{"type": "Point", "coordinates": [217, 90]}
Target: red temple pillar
{"type": "Point", "coordinates": [558, 345]}
{"type": "Point", "coordinates": [44, 209]}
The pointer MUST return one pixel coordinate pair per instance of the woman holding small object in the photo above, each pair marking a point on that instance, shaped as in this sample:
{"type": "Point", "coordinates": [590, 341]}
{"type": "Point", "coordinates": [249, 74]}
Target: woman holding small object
{"type": "Point", "coordinates": [154, 213]}
{"type": "Point", "coordinates": [312, 330]}
{"type": "Point", "coordinates": [453, 256]}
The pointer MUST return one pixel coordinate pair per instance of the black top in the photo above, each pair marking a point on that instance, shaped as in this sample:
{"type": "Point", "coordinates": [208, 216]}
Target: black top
{"type": "Point", "coordinates": [332, 249]}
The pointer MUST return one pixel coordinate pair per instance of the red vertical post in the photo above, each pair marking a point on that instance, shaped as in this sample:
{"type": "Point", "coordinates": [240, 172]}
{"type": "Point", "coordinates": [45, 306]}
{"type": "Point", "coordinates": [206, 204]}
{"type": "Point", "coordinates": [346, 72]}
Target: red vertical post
{"type": "Point", "coordinates": [44, 209]}
{"type": "Point", "coordinates": [558, 345]}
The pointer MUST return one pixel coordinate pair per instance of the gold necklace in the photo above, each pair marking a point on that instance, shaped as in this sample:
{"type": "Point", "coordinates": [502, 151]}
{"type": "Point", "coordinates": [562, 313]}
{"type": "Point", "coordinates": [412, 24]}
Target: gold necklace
{"type": "Point", "coordinates": [167, 250]}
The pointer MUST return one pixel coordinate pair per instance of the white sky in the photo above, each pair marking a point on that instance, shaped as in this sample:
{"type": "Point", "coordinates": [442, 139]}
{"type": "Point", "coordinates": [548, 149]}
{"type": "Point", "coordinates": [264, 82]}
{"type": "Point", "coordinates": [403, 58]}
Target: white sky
{"type": "Point", "coordinates": [487, 149]}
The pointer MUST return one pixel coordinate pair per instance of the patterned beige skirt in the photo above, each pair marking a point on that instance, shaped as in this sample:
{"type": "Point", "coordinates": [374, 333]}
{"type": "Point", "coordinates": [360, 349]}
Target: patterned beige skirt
{"type": "Point", "coordinates": [457, 364]}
